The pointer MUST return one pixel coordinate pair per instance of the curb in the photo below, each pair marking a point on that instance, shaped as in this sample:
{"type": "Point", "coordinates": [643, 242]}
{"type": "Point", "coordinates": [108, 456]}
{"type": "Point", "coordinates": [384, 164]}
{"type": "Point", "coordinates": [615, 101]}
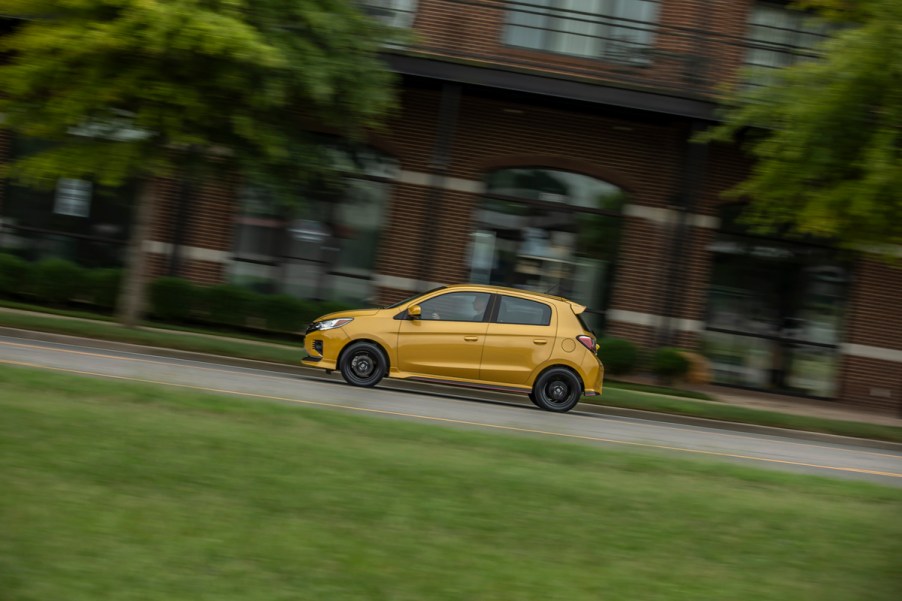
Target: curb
{"type": "Point", "coordinates": [447, 391]}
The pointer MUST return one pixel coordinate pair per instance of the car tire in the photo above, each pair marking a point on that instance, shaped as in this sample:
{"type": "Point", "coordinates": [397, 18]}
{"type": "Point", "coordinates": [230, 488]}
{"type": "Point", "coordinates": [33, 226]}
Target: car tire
{"type": "Point", "coordinates": [532, 398]}
{"type": "Point", "coordinates": [363, 364]}
{"type": "Point", "coordinates": [557, 389]}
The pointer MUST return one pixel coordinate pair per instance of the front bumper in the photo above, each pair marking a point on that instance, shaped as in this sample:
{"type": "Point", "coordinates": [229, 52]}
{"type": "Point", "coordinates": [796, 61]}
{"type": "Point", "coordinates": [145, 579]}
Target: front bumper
{"type": "Point", "coordinates": [323, 348]}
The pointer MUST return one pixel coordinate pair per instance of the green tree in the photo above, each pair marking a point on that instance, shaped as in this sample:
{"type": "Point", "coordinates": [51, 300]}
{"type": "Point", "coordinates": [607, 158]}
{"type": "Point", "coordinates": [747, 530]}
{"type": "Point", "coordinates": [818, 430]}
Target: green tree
{"type": "Point", "coordinates": [826, 134]}
{"type": "Point", "coordinates": [142, 89]}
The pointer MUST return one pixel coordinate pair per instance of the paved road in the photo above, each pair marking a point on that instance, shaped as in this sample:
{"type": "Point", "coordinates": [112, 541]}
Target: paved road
{"type": "Point", "coordinates": [775, 449]}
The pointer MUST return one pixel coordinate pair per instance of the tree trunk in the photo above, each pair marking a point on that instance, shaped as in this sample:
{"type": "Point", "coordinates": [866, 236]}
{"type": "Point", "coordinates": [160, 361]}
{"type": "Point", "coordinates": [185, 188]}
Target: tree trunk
{"type": "Point", "coordinates": [134, 283]}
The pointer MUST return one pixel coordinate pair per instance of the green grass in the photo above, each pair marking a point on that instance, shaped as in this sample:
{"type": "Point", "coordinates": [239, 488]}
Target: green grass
{"type": "Point", "coordinates": [631, 399]}
{"type": "Point", "coordinates": [127, 491]}
{"type": "Point", "coordinates": [655, 389]}
{"type": "Point", "coordinates": [181, 341]}
{"type": "Point", "coordinates": [617, 394]}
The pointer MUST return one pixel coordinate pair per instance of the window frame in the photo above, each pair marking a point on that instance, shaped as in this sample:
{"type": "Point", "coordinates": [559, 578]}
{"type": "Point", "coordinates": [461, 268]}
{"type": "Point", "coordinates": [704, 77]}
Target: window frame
{"type": "Point", "coordinates": [486, 314]}
{"type": "Point", "coordinates": [552, 18]}
{"type": "Point", "coordinates": [496, 310]}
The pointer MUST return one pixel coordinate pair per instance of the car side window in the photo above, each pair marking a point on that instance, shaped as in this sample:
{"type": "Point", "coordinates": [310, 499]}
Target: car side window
{"type": "Point", "coordinates": [456, 306]}
{"type": "Point", "coordinates": [525, 312]}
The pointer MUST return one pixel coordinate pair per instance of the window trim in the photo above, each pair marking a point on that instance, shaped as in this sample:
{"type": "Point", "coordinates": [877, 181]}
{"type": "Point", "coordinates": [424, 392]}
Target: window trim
{"type": "Point", "coordinates": [496, 310]}
{"type": "Point", "coordinates": [605, 22]}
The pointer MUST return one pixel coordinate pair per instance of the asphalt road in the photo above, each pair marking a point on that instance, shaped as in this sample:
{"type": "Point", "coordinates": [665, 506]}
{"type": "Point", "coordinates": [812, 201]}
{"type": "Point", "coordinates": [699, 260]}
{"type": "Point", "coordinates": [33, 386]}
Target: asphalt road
{"type": "Point", "coordinates": [453, 407]}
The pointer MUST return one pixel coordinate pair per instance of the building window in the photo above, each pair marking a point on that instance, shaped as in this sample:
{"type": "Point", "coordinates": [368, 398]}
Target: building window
{"type": "Point", "coordinates": [325, 245]}
{"type": "Point", "coordinates": [548, 231]}
{"type": "Point", "coordinates": [775, 314]}
{"type": "Point", "coordinates": [615, 30]}
{"type": "Point", "coordinates": [396, 13]}
{"type": "Point", "coordinates": [779, 37]}
{"type": "Point", "coordinates": [75, 219]}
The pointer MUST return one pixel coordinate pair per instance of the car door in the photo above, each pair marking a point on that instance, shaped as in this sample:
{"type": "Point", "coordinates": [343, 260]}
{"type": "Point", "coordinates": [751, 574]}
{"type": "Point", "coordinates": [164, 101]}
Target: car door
{"type": "Point", "coordinates": [446, 340]}
{"type": "Point", "coordinates": [519, 337]}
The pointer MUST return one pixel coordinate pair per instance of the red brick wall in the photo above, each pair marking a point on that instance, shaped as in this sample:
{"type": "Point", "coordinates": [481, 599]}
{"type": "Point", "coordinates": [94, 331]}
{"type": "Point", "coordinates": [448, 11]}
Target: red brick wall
{"type": "Point", "coordinates": [874, 319]}
{"type": "Point", "coordinates": [402, 242]}
{"type": "Point", "coordinates": [209, 225]}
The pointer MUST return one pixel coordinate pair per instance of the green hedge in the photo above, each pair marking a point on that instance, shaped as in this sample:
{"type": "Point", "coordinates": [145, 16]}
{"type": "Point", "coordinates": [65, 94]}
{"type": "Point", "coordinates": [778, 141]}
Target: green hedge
{"type": "Point", "coordinates": [14, 275]}
{"type": "Point", "coordinates": [102, 287]}
{"type": "Point", "coordinates": [228, 305]}
{"type": "Point", "coordinates": [670, 363]}
{"type": "Point", "coordinates": [619, 356]}
{"type": "Point", "coordinates": [173, 299]}
{"type": "Point", "coordinates": [57, 281]}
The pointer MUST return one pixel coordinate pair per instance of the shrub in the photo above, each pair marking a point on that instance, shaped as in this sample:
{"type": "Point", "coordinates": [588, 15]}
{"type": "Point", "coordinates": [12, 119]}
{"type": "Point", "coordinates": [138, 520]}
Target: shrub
{"type": "Point", "coordinates": [102, 287]}
{"type": "Point", "coordinates": [284, 313]}
{"type": "Point", "coordinates": [699, 371]}
{"type": "Point", "coordinates": [14, 273]}
{"type": "Point", "coordinates": [56, 281]}
{"type": "Point", "coordinates": [670, 363]}
{"type": "Point", "coordinates": [173, 299]}
{"type": "Point", "coordinates": [229, 305]}
{"type": "Point", "coordinates": [618, 355]}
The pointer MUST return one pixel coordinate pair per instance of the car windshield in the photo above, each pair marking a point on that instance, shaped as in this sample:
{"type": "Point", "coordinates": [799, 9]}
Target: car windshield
{"type": "Point", "coordinates": [410, 298]}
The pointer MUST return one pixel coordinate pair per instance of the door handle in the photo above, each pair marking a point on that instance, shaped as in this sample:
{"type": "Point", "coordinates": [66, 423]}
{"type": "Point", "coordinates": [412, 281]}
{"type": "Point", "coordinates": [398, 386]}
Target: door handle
{"type": "Point", "coordinates": [471, 338]}
{"type": "Point", "coordinates": [540, 341]}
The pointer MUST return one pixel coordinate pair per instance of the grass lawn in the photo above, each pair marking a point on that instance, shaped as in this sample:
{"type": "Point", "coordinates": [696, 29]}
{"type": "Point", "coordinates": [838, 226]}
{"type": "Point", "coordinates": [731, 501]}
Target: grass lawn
{"type": "Point", "coordinates": [631, 399]}
{"type": "Point", "coordinates": [182, 339]}
{"type": "Point", "coordinates": [125, 491]}
{"type": "Point", "coordinates": [617, 394]}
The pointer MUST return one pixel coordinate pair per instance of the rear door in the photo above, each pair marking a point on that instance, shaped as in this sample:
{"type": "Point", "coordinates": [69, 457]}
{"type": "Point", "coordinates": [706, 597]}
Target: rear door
{"type": "Point", "coordinates": [520, 337]}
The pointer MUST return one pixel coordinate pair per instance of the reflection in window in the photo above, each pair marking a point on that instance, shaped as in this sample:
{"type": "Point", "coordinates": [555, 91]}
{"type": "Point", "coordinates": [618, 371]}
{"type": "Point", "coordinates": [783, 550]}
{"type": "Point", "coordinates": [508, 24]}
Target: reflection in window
{"type": "Point", "coordinates": [775, 311]}
{"type": "Point", "coordinates": [396, 13]}
{"type": "Point", "coordinates": [610, 29]}
{"type": "Point", "coordinates": [548, 231]}
{"type": "Point", "coordinates": [521, 311]}
{"type": "Point", "coordinates": [779, 37]}
{"type": "Point", "coordinates": [456, 306]}
{"type": "Point", "coordinates": [323, 247]}
{"type": "Point", "coordinates": [76, 220]}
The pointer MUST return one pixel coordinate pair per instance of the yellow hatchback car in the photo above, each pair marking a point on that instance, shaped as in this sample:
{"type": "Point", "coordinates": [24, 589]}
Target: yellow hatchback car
{"type": "Point", "coordinates": [481, 336]}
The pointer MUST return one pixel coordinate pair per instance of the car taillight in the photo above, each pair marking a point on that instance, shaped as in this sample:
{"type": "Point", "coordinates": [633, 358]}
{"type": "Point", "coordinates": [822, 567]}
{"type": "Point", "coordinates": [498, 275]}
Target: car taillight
{"type": "Point", "coordinates": [587, 342]}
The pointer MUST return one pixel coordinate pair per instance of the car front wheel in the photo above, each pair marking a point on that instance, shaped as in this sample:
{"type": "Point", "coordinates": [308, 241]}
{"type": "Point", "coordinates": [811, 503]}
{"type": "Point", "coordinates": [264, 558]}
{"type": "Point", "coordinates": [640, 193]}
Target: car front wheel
{"type": "Point", "coordinates": [363, 364]}
{"type": "Point", "coordinates": [558, 389]}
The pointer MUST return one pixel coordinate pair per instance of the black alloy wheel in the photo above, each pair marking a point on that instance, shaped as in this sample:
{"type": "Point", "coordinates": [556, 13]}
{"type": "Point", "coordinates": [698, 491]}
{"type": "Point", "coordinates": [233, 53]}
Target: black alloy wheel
{"type": "Point", "coordinates": [558, 389]}
{"type": "Point", "coordinates": [363, 364]}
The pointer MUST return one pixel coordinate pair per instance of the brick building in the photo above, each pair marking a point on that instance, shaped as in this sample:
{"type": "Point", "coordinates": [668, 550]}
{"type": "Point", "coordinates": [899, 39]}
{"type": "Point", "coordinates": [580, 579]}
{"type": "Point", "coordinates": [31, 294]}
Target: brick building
{"type": "Point", "coordinates": [548, 144]}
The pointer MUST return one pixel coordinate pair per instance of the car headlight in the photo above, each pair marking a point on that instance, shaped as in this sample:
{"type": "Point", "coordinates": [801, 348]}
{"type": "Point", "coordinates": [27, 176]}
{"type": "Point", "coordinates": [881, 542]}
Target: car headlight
{"type": "Point", "coordinates": [331, 324]}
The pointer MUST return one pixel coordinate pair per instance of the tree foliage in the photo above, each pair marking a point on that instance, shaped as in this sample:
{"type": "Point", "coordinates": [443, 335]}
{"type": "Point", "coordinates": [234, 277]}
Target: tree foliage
{"type": "Point", "coordinates": [243, 81]}
{"type": "Point", "coordinates": [826, 134]}
{"type": "Point", "coordinates": [123, 89]}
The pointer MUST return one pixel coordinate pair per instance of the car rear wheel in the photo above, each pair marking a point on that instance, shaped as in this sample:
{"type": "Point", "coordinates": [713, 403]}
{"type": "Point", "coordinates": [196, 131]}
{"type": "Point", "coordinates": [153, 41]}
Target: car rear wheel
{"type": "Point", "coordinates": [363, 364]}
{"type": "Point", "coordinates": [558, 389]}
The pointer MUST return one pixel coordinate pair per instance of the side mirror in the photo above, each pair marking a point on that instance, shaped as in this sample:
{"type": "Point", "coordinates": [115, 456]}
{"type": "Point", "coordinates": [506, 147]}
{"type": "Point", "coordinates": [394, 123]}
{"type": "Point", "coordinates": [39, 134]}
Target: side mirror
{"type": "Point", "coordinates": [414, 311]}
